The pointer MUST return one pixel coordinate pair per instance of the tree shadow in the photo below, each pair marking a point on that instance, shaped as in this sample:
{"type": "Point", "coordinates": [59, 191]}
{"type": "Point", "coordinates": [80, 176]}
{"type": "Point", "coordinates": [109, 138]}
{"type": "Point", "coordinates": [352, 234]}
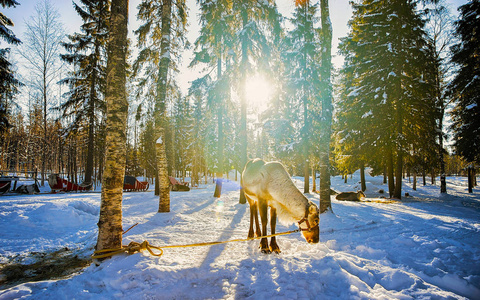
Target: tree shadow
{"type": "Point", "coordinates": [53, 265]}
{"type": "Point", "coordinates": [216, 251]}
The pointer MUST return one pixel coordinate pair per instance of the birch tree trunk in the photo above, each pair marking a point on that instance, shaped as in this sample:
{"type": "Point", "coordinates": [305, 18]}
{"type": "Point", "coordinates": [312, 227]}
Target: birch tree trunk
{"type": "Point", "coordinates": [110, 222]}
{"type": "Point", "coordinates": [160, 108]}
{"type": "Point", "coordinates": [164, 182]}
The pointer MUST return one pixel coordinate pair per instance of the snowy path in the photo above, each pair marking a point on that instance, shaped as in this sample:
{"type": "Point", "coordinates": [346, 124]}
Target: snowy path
{"type": "Point", "coordinates": [425, 247]}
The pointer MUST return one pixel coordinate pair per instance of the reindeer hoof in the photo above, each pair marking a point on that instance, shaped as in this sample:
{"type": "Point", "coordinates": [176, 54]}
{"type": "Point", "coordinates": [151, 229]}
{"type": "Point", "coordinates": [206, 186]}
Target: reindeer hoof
{"type": "Point", "coordinates": [276, 250]}
{"type": "Point", "coordinates": [264, 246]}
{"type": "Point", "coordinates": [266, 251]}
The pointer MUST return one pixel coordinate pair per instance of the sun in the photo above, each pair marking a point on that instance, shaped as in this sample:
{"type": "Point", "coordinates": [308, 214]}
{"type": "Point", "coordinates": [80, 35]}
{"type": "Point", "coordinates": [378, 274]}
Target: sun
{"type": "Point", "coordinates": [258, 91]}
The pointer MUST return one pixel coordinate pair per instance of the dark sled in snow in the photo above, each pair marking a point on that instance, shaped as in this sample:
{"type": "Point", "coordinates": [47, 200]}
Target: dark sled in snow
{"type": "Point", "coordinates": [6, 183]}
{"type": "Point", "coordinates": [177, 186]}
{"type": "Point", "coordinates": [132, 184]}
{"type": "Point", "coordinates": [29, 189]}
{"type": "Point", "coordinates": [5, 186]}
{"type": "Point", "coordinates": [58, 184]}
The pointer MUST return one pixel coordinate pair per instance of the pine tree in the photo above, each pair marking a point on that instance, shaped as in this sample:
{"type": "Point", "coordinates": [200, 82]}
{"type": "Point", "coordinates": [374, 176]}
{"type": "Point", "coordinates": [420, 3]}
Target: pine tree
{"type": "Point", "coordinates": [257, 25]}
{"type": "Point", "coordinates": [197, 93]}
{"type": "Point", "coordinates": [110, 221]}
{"type": "Point", "coordinates": [9, 84]}
{"type": "Point", "coordinates": [327, 108]}
{"type": "Point", "coordinates": [384, 110]}
{"type": "Point", "coordinates": [440, 38]}
{"type": "Point", "coordinates": [160, 38]}
{"type": "Point", "coordinates": [213, 48]}
{"type": "Point", "coordinates": [182, 122]}
{"type": "Point", "coordinates": [87, 52]}
{"type": "Point", "coordinates": [303, 58]}
{"type": "Point", "coordinates": [465, 87]}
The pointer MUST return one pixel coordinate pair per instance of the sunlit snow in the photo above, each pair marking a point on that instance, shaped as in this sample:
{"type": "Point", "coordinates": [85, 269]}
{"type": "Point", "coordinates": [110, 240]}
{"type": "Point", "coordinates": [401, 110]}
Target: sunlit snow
{"type": "Point", "coordinates": [425, 246]}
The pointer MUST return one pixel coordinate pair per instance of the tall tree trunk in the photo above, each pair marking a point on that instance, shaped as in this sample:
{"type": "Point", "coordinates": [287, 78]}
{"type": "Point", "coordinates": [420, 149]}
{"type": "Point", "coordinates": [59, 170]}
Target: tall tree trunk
{"type": "Point", "coordinates": [326, 91]}
{"type": "Point", "coordinates": [44, 150]}
{"type": "Point", "coordinates": [362, 177]}
{"type": "Point", "coordinates": [157, 185]}
{"type": "Point", "coordinates": [305, 141]}
{"type": "Point", "coordinates": [164, 182]}
{"type": "Point", "coordinates": [424, 174]}
{"type": "Point", "coordinates": [384, 174]}
{"type": "Point", "coordinates": [306, 172]}
{"type": "Point", "coordinates": [443, 176]}
{"type": "Point", "coordinates": [399, 132]}
{"type": "Point", "coordinates": [218, 186]}
{"type": "Point", "coordinates": [414, 180]}
{"type": "Point", "coordinates": [110, 221]}
{"type": "Point", "coordinates": [306, 127]}
{"type": "Point", "coordinates": [160, 108]}
{"type": "Point", "coordinates": [398, 176]}
{"type": "Point", "coordinates": [243, 100]}
{"type": "Point", "coordinates": [314, 185]}
{"type": "Point", "coordinates": [91, 145]}
{"type": "Point", "coordinates": [391, 183]}
{"type": "Point", "coordinates": [243, 105]}
{"type": "Point", "coordinates": [470, 174]}
{"type": "Point", "coordinates": [91, 125]}
{"type": "Point", "coordinates": [441, 102]}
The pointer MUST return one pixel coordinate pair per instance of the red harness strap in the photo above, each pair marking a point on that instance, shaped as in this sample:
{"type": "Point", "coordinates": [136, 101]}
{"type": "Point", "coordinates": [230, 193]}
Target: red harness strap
{"type": "Point", "coordinates": [306, 221]}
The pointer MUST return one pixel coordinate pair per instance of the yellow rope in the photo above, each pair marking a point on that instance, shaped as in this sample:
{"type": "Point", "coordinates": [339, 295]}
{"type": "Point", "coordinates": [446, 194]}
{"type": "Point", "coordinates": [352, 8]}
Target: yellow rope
{"type": "Point", "coordinates": [381, 201]}
{"type": "Point", "coordinates": [134, 247]}
{"type": "Point", "coordinates": [131, 248]}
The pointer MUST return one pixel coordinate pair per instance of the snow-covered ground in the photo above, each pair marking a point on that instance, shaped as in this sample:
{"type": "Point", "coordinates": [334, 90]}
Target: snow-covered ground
{"type": "Point", "coordinates": [426, 246]}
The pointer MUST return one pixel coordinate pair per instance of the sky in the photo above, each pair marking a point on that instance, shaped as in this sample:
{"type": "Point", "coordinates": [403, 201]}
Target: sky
{"type": "Point", "coordinates": [340, 12]}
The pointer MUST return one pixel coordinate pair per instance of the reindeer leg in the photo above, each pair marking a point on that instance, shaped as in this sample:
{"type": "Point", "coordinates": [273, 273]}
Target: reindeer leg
{"type": "Point", "coordinates": [262, 207]}
{"type": "Point", "coordinates": [253, 218]}
{"type": "Point", "coordinates": [273, 221]}
{"type": "Point", "coordinates": [257, 223]}
{"type": "Point", "coordinates": [253, 215]}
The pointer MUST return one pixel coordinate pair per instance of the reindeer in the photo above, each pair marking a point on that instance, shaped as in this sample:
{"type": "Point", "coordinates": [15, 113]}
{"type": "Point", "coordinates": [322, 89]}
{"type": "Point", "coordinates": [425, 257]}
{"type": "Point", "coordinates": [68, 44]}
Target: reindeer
{"type": "Point", "coordinates": [350, 196]}
{"type": "Point", "coordinates": [269, 185]}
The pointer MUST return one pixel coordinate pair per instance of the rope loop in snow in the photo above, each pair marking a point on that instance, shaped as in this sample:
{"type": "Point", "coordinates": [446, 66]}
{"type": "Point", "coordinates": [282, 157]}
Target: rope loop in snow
{"type": "Point", "coordinates": [135, 247]}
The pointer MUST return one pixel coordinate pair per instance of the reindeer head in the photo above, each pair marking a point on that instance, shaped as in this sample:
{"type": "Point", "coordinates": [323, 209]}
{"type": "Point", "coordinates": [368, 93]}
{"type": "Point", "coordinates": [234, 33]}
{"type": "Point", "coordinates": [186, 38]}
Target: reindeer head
{"type": "Point", "coordinates": [309, 224]}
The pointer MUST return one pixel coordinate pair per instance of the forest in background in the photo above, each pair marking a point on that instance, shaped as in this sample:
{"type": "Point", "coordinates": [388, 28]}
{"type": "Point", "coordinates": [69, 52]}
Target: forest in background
{"type": "Point", "coordinates": [408, 67]}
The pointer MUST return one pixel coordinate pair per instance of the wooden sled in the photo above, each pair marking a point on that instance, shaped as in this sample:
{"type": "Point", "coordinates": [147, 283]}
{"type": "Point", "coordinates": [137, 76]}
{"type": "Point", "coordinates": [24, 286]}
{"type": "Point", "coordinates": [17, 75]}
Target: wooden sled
{"type": "Point", "coordinates": [132, 184]}
{"type": "Point", "coordinates": [5, 186]}
{"type": "Point", "coordinates": [6, 183]}
{"type": "Point", "coordinates": [177, 186]}
{"type": "Point", "coordinates": [58, 184]}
